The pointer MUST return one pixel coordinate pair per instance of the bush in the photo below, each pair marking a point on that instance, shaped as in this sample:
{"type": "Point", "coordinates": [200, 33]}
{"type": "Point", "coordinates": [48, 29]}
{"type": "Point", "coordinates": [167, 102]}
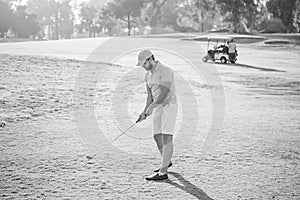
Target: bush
{"type": "Point", "coordinates": [221, 30]}
{"type": "Point", "coordinates": [240, 28]}
{"type": "Point", "coordinates": [274, 25]}
{"type": "Point", "coordinates": [158, 30]}
{"type": "Point", "coordinates": [185, 29]}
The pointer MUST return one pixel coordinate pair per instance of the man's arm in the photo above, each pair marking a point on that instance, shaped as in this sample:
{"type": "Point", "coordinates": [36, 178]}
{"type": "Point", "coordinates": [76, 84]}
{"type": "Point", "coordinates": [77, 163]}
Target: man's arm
{"type": "Point", "coordinates": [149, 99]}
{"type": "Point", "coordinates": [164, 91]}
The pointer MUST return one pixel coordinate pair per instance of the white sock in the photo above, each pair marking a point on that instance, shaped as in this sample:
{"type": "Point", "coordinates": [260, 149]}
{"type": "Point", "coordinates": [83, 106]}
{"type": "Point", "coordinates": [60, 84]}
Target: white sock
{"type": "Point", "coordinates": [161, 174]}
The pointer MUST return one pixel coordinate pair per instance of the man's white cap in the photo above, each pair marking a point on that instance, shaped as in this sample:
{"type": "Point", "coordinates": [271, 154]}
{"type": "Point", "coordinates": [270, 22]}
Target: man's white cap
{"type": "Point", "coordinates": [143, 56]}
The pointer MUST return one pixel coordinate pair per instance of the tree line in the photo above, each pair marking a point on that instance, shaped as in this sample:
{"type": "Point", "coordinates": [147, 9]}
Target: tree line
{"type": "Point", "coordinates": [38, 18]}
{"type": "Point", "coordinates": [59, 18]}
{"type": "Point", "coordinates": [21, 23]}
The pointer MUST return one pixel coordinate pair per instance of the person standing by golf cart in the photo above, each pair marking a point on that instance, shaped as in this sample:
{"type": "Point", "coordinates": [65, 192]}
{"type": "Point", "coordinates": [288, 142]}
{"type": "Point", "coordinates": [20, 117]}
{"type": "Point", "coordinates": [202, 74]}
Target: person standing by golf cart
{"type": "Point", "coordinates": [232, 50]}
{"type": "Point", "coordinates": [162, 104]}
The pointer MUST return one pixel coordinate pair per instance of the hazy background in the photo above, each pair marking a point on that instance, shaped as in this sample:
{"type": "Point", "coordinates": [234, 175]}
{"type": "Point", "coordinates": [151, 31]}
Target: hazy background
{"type": "Point", "coordinates": [64, 19]}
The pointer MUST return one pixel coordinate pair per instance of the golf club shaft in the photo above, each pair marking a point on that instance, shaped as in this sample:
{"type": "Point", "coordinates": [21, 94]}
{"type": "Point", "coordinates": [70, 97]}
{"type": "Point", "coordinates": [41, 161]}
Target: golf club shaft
{"type": "Point", "coordinates": [123, 132]}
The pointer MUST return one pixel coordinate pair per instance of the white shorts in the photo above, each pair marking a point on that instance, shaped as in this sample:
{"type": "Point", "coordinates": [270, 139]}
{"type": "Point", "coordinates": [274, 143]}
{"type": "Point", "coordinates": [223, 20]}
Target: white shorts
{"type": "Point", "coordinates": [164, 119]}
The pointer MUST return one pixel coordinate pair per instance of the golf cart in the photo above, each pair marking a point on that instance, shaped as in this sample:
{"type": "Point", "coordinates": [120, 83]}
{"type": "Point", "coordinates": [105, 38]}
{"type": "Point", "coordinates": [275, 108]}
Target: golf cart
{"type": "Point", "coordinates": [219, 51]}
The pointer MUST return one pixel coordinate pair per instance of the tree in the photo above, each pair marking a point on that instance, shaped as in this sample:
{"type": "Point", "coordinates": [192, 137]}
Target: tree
{"type": "Point", "coordinates": [284, 10]}
{"type": "Point", "coordinates": [251, 14]}
{"type": "Point", "coordinates": [169, 14]}
{"type": "Point", "coordinates": [203, 9]}
{"type": "Point", "coordinates": [23, 24]}
{"type": "Point", "coordinates": [197, 13]}
{"type": "Point", "coordinates": [297, 16]}
{"type": "Point", "coordinates": [66, 19]}
{"type": "Point", "coordinates": [265, 23]}
{"type": "Point", "coordinates": [107, 21]}
{"type": "Point", "coordinates": [5, 18]}
{"type": "Point", "coordinates": [153, 11]}
{"type": "Point", "coordinates": [45, 11]}
{"type": "Point", "coordinates": [125, 10]}
{"type": "Point", "coordinates": [235, 11]}
{"type": "Point", "coordinates": [232, 9]}
{"type": "Point", "coordinates": [54, 15]}
{"type": "Point", "coordinates": [89, 14]}
{"type": "Point", "coordinates": [96, 17]}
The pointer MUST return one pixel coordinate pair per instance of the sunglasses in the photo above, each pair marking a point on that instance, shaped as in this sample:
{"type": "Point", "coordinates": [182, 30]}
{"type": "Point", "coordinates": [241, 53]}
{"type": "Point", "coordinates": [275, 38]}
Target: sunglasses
{"type": "Point", "coordinates": [148, 59]}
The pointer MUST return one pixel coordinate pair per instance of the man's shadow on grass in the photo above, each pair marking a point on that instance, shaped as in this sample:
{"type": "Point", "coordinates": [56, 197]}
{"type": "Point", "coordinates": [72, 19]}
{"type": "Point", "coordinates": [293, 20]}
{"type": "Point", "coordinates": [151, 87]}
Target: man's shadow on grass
{"type": "Point", "coordinates": [188, 187]}
{"type": "Point", "coordinates": [248, 66]}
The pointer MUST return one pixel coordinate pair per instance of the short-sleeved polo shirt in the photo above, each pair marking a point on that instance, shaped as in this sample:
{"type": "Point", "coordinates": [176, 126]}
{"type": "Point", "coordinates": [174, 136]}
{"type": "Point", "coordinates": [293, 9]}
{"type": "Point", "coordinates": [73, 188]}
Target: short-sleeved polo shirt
{"type": "Point", "coordinates": [232, 47]}
{"type": "Point", "coordinates": [157, 78]}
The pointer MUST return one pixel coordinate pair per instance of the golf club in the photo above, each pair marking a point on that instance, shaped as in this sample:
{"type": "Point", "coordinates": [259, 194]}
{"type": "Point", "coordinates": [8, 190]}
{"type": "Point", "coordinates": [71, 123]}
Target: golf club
{"type": "Point", "coordinates": [122, 133]}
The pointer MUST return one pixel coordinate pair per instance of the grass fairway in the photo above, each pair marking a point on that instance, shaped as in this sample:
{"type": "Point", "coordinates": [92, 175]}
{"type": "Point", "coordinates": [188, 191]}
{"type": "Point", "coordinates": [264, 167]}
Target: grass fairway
{"type": "Point", "coordinates": [43, 149]}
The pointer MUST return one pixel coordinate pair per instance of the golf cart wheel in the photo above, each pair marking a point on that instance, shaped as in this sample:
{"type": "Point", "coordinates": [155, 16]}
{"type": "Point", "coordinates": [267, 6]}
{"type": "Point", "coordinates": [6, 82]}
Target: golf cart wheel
{"type": "Point", "coordinates": [223, 60]}
{"type": "Point", "coordinates": [204, 59]}
{"type": "Point", "coordinates": [232, 61]}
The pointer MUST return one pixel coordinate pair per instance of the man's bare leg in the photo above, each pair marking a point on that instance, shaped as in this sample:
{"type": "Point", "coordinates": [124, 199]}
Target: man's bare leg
{"type": "Point", "coordinates": [167, 153]}
{"type": "Point", "coordinates": [159, 142]}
